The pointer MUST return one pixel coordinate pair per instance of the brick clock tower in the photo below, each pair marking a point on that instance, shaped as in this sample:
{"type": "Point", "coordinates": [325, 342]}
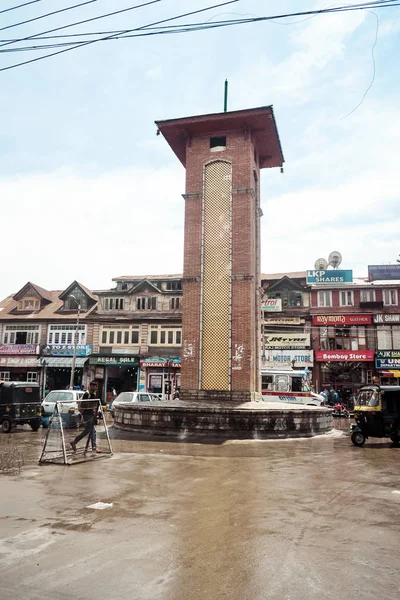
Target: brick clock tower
{"type": "Point", "coordinates": [223, 154]}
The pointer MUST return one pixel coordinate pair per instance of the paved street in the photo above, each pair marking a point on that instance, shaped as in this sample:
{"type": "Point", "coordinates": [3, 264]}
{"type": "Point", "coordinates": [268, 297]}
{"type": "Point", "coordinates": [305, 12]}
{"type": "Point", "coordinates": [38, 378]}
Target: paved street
{"type": "Point", "coordinates": [292, 520]}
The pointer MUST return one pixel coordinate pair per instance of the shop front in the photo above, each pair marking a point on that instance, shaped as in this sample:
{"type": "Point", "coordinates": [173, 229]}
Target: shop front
{"type": "Point", "coordinates": [56, 364]}
{"type": "Point", "coordinates": [343, 370]}
{"type": "Point", "coordinates": [160, 375]}
{"type": "Point", "coordinates": [387, 363]}
{"type": "Point", "coordinates": [18, 362]}
{"type": "Point", "coordinates": [114, 372]}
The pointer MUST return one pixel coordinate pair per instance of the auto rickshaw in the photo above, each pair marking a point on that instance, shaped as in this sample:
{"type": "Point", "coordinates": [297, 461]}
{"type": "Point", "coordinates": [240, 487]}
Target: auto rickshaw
{"type": "Point", "coordinates": [376, 414]}
{"type": "Point", "coordinates": [19, 404]}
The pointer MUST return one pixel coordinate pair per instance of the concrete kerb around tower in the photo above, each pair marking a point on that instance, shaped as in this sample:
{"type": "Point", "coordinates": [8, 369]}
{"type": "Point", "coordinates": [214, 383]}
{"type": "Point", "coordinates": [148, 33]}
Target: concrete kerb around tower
{"type": "Point", "coordinates": [221, 381]}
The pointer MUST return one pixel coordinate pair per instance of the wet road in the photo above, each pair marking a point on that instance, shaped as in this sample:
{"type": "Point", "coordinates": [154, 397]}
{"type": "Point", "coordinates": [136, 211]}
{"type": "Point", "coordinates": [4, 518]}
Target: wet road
{"type": "Point", "coordinates": [292, 520]}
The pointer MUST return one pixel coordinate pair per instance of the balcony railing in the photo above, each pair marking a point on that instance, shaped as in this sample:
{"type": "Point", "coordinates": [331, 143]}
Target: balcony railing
{"type": "Point", "coordinates": [372, 304]}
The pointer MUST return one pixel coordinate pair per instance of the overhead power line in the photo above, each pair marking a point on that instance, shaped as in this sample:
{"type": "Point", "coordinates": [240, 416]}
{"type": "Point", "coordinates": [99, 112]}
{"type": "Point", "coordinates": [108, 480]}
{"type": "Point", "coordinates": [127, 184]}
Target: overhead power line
{"type": "Point", "coordinates": [110, 14]}
{"type": "Point", "coordinates": [80, 44]}
{"type": "Point", "coordinates": [363, 5]}
{"type": "Point", "coordinates": [152, 29]}
{"type": "Point", "coordinates": [56, 12]}
{"type": "Point", "coordinates": [19, 6]}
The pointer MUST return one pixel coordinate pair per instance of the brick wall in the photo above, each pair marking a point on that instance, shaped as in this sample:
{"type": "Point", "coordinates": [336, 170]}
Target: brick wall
{"type": "Point", "coordinates": [245, 266]}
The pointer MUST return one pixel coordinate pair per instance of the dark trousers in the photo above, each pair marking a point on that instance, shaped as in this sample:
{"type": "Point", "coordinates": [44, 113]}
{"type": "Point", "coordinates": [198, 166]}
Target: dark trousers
{"type": "Point", "coordinates": [88, 427]}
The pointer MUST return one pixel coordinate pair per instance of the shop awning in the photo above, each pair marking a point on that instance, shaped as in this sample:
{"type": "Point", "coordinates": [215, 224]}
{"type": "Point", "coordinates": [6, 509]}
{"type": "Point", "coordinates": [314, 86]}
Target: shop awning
{"type": "Point", "coordinates": [58, 362]}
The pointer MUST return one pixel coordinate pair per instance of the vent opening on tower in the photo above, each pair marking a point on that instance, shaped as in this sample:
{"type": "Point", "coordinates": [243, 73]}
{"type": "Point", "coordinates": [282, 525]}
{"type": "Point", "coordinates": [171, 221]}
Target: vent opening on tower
{"type": "Point", "coordinates": [217, 144]}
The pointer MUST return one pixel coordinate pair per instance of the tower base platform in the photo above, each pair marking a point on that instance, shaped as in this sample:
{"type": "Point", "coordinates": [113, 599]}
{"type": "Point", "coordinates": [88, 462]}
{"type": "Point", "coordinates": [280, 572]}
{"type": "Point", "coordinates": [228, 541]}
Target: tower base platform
{"type": "Point", "coordinates": [248, 420]}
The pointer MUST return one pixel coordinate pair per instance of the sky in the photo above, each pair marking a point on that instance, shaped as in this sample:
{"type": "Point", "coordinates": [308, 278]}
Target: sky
{"type": "Point", "coordinates": [89, 192]}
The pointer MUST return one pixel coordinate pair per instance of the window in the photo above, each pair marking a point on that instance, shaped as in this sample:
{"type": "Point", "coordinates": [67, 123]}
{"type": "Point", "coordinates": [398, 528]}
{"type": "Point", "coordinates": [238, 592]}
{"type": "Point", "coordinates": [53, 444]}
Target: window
{"type": "Point", "coordinates": [367, 296]}
{"type": "Point", "coordinates": [146, 303]}
{"type": "Point", "coordinates": [64, 334]}
{"type": "Point", "coordinates": [290, 298]}
{"type": "Point", "coordinates": [388, 337]}
{"type": "Point", "coordinates": [72, 304]}
{"type": "Point", "coordinates": [113, 304]}
{"type": "Point", "coordinates": [389, 297]}
{"type": "Point", "coordinates": [346, 298]}
{"type": "Point", "coordinates": [218, 144]}
{"type": "Point", "coordinates": [21, 334]}
{"type": "Point", "coordinates": [343, 338]}
{"type": "Point", "coordinates": [175, 303]}
{"type": "Point", "coordinates": [165, 335]}
{"type": "Point", "coordinates": [4, 375]}
{"type": "Point", "coordinates": [31, 377]}
{"type": "Point", "coordinates": [119, 335]}
{"type": "Point", "coordinates": [324, 298]}
{"type": "Point", "coordinates": [30, 303]}
{"type": "Point", "coordinates": [173, 285]}
{"type": "Point", "coordinates": [124, 286]}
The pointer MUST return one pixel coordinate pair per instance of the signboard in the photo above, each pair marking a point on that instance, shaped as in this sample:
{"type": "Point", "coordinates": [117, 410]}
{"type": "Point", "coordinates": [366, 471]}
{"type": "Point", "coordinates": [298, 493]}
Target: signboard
{"type": "Point", "coordinates": [332, 276]}
{"type": "Point", "coordinates": [272, 305]}
{"type": "Point", "coordinates": [68, 350]}
{"type": "Point", "coordinates": [274, 359]}
{"type": "Point", "coordinates": [160, 362]}
{"type": "Point", "coordinates": [324, 320]}
{"type": "Point", "coordinates": [18, 361]}
{"type": "Point", "coordinates": [19, 349]}
{"type": "Point", "coordinates": [383, 272]}
{"type": "Point", "coordinates": [114, 361]}
{"type": "Point", "coordinates": [99, 373]}
{"type": "Point", "coordinates": [387, 359]}
{"type": "Point", "coordinates": [286, 340]}
{"type": "Point", "coordinates": [282, 321]}
{"type": "Point", "coordinates": [389, 318]}
{"type": "Point", "coordinates": [344, 355]}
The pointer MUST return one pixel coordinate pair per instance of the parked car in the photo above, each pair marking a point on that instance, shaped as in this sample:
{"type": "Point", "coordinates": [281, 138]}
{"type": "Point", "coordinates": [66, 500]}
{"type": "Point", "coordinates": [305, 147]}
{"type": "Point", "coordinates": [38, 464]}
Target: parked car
{"type": "Point", "coordinates": [129, 397]}
{"type": "Point", "coordinates": [69, 406]}
{"type": "Point", "coordinates": [19, 404]}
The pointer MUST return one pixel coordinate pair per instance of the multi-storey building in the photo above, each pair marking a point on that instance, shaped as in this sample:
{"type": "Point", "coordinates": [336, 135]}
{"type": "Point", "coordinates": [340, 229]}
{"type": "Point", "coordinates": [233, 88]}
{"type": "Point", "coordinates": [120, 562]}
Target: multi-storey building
{"type": "Point", "coordinates": [286, 335]}
{"type": "Point", "coordinates": [138, 334]}
{"type": "Point", "coordinates": [129, 336]}
{"type": "Point", "coordinates": [37, 329]}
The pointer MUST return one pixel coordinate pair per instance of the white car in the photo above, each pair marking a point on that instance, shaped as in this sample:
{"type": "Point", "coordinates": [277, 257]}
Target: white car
{"type": "Point", "coordinates": [69, 398]}
{"type": "Point", "coordinates": [129, 397]}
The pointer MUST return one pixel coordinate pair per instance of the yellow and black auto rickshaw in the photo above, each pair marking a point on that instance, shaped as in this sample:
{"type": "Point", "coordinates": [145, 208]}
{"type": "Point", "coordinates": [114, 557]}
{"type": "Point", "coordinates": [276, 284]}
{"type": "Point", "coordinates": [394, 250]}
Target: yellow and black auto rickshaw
{"type": "Point", "coordinates": [377, 414]}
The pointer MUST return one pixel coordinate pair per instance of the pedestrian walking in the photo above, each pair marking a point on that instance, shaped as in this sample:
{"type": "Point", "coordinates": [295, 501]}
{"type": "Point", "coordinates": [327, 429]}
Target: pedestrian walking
{"type": "Point", "coordinates": [89, 412]}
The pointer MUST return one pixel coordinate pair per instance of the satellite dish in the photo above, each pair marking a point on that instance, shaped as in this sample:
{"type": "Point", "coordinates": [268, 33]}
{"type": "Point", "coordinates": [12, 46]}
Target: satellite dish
{"type": "Point", "coordinates": [335, 258]}
{"type": "Point", "coordinates": [320, 264]}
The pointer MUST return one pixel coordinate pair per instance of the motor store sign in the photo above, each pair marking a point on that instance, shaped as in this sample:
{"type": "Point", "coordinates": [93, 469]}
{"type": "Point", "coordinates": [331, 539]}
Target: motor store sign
{"type": "Point", "coordinates": [387, 359]}
{"type": "Point", "coordinates": [286, 340]}
{"type": "Point", "coordinates": [272, 305]}
{"type": "Point", "coordinates": [68, 350]}
{"type": "Point", "coordinates": [394, 318]}
{"type": "Point", "coordinates": [279, 358]}
{"type": "Point", "coordinates": [19, 349]}
{"type": "Point", "coordinates": [324, 320]}
{"type": "Point", "coordinates": [344, 355]}
{"type": "Point", "coordinates": [333, 276]}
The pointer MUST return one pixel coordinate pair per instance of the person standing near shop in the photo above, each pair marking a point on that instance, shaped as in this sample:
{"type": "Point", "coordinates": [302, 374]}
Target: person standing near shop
{"type": "Point", "coordinates": [89, 414]}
